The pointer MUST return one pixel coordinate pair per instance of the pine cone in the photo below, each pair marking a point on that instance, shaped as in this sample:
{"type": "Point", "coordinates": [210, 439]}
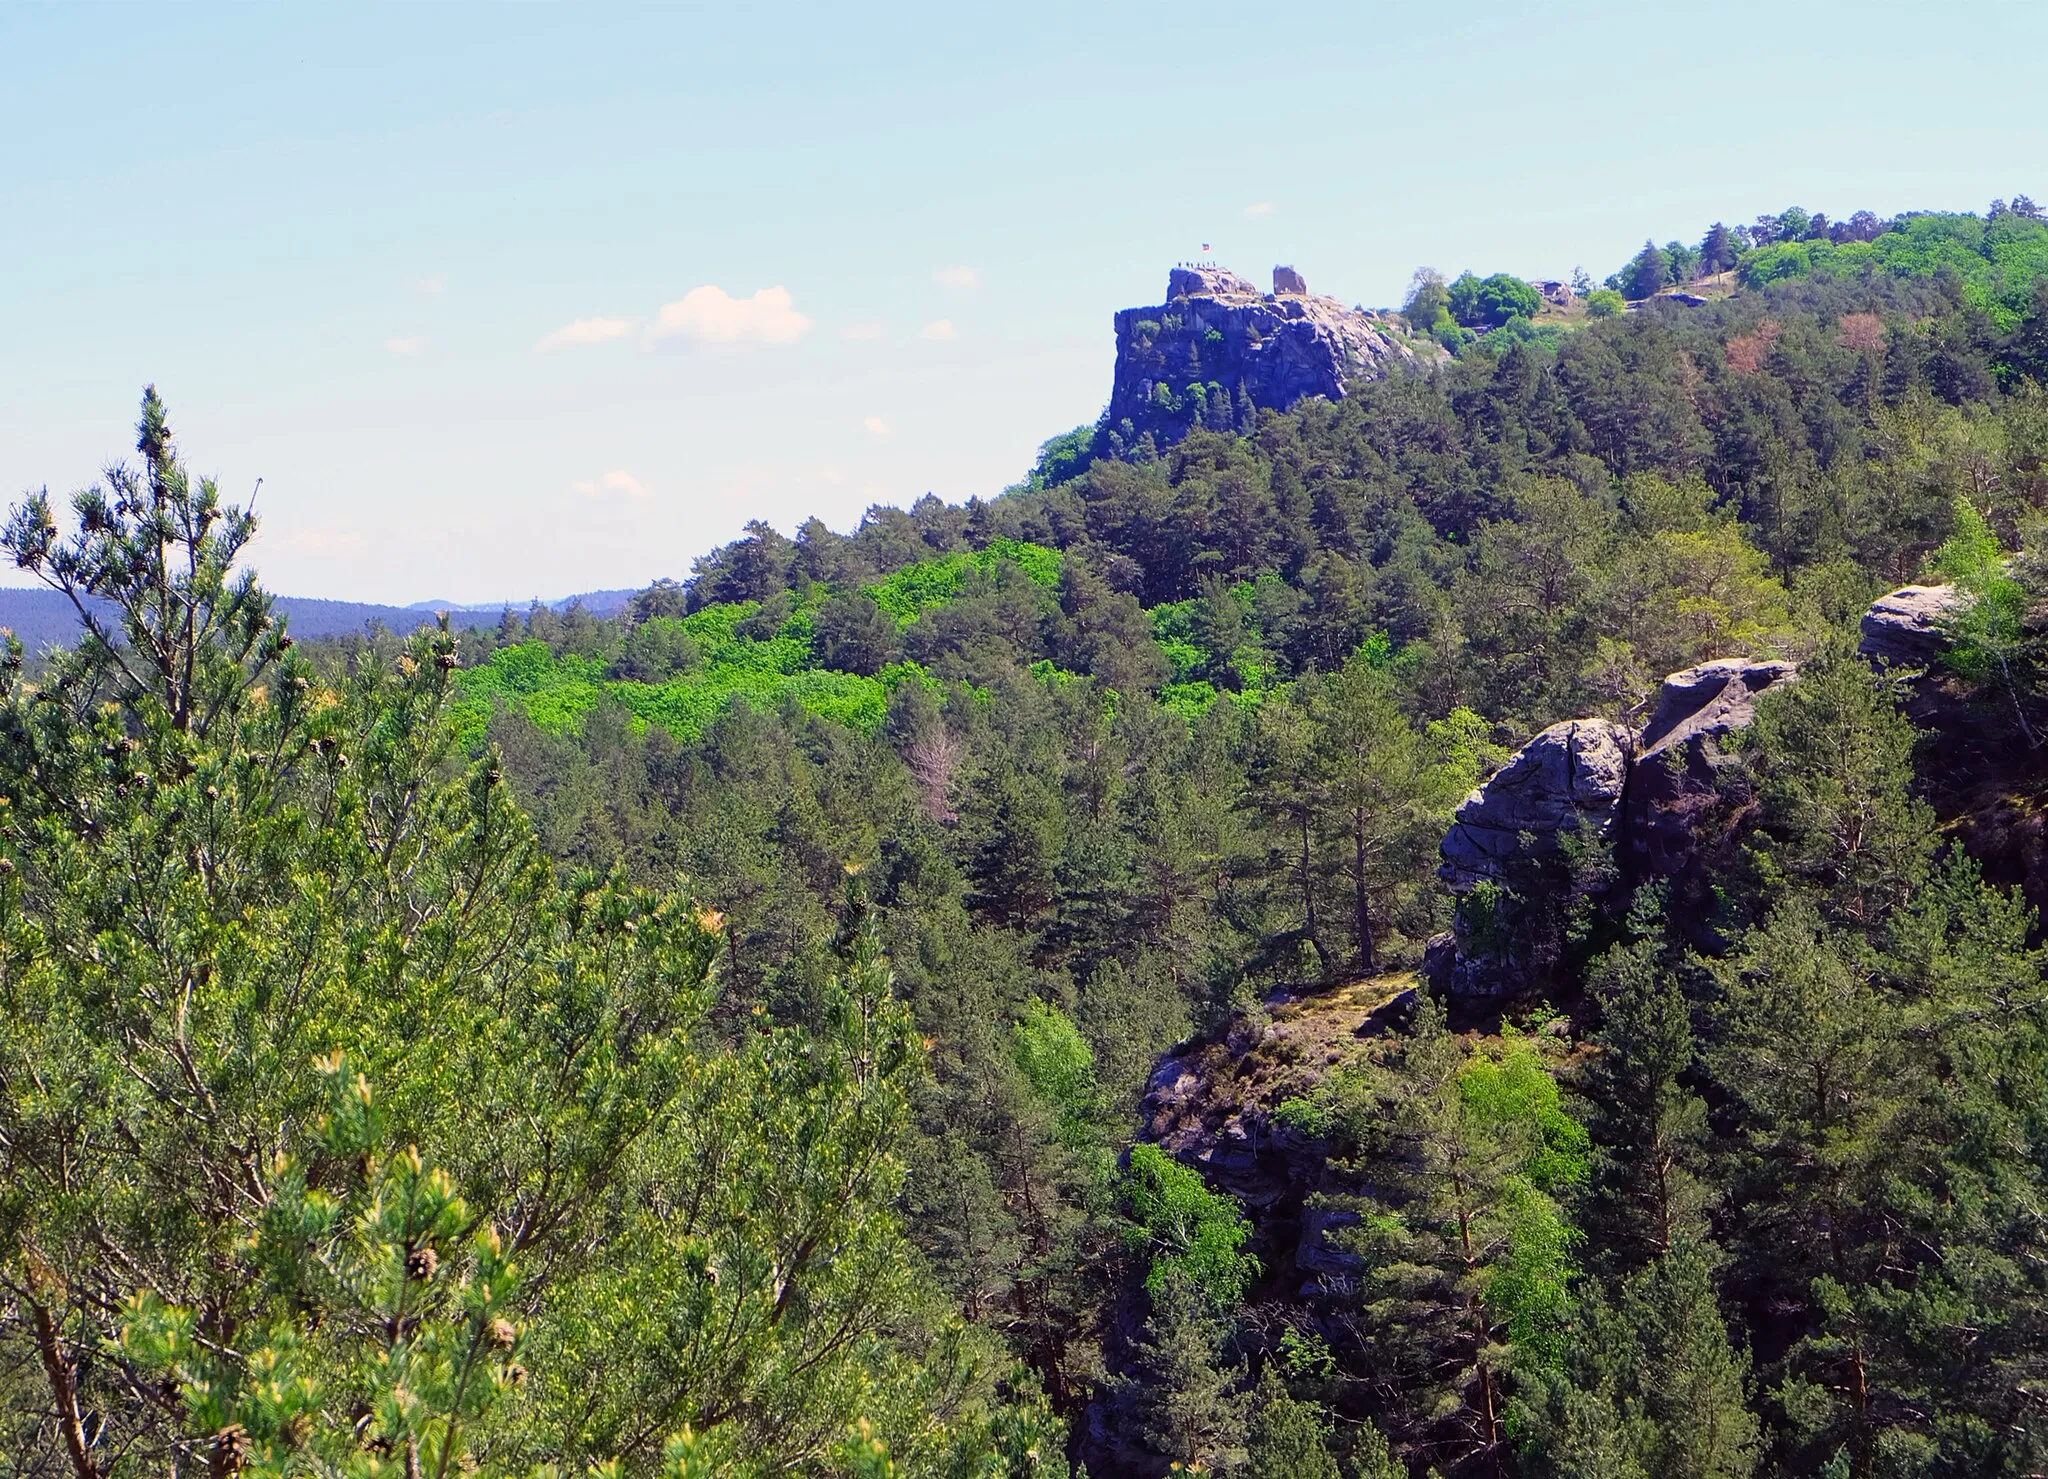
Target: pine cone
{"type": "Point", "coordinates": [230, 1451]}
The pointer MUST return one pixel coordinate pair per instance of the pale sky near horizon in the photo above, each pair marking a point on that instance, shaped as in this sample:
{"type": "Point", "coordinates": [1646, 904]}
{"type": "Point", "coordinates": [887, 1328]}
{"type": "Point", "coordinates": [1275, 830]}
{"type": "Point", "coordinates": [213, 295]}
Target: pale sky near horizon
{"type": "Point", "coordinates": [508, 301]}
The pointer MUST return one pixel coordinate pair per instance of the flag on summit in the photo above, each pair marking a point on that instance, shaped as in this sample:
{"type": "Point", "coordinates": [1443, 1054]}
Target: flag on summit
{"type": "Point", "coordinates": [1205, 246]}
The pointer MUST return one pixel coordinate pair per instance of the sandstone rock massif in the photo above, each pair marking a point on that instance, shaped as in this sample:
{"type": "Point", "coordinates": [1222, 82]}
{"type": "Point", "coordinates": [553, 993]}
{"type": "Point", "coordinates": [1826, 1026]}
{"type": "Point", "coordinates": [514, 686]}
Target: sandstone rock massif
{"type": "Point", "coordinates": [1681, 756]}
{"type": "Point", "coordinates": [1647, 795]}
{"type": "Point", "coordinates": [1218, 350]}
{"type": "Point", "coordinates": [1567, 779]}
{"type": "Point", "coordinates": [1654, 796]}
{"type": "Point", "coordinates": [1904, 628]}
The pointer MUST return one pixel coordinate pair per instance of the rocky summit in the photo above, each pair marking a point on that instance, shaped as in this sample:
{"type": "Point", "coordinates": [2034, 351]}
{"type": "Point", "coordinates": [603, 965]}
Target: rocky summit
{"type": "Point", "coordinates": [1218, 351]}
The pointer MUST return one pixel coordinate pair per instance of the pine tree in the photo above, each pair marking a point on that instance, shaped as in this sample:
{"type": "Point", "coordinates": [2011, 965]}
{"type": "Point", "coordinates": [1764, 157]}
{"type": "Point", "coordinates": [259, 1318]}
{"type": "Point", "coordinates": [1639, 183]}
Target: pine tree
{"type": "Point", "coordinates": [1289, 1439]}
{"type": "Point", "coordinates": [1648, 274]}
{"type": "Point", "coordinates": [1184, 1401]}
{"type": "Point", "coordinates": [1835, 758]}
{"type": "Point", "coordinates": [1647, 1188]}
{"type": "Point", "coordinates": [1650, 1386]}
{"type": "Point", "coordinates": [1717, 250]}
{"type": "Point", "coordinates": [1467, 1250]}
{"type": "Point", "coordinates": [1385, 788]}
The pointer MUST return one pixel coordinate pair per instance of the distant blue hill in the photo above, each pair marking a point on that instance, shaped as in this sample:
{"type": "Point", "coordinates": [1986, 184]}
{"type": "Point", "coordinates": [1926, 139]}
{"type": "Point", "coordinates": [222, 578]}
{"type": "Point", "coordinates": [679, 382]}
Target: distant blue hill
{"type": "Point", "coordinates": [597, 603]}
{"type": "Point", "coordinates": [44, 618]}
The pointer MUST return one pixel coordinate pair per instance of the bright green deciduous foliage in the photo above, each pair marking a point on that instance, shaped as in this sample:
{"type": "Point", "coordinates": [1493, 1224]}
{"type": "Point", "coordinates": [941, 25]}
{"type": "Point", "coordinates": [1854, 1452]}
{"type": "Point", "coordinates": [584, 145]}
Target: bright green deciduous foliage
{"type": "Point", "coordinates": [1188, 1232]}
{"type": "Point", "coordinates": [1991, 639]}
{"type": "Point", "coordinates": [1060, 1067]}
{"type": "Point", "coordinates": [1604, 303]}
{"type": "Point", "coordinates": [1489, 302]}
{"type": "Point", "coordinates": [907, 593]}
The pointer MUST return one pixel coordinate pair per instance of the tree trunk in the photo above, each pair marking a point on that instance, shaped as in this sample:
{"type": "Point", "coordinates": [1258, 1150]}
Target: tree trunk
{"type": "Point", "coordinates": [1363, 920]}
{"type": "Point", "coordinates": [63, 1393]}
{"type": "Point", "coordinates": [1308, 899]}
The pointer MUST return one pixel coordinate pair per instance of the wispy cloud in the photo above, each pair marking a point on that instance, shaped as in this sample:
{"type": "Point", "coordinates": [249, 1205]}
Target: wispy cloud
{"type": "Point", "coordinates": [956, 277]}
{"type": "Point", "coordinates": [876, 425]}
{"type": "Point", "coordinates": [586, 331]}
{"type": "Point", "coordinates": [710, 315]}
{"type": "Point", "coordinates": [616, 481]}
{"type": "Point", "coordinates": [412, 345]}
{"type": "Point", "coordinates": [1263, 208]}
{"type": "Point", "coordinates": [433, 285]}
{"type": "Point", "coordinates": [867, 328]}
{"type": "Point", "coordinates": [939, 328]}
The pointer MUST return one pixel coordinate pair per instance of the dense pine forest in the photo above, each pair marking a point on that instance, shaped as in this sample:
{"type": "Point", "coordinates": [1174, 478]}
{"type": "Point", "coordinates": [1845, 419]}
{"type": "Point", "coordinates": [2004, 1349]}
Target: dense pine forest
{"type": "Point", "coordinates": [716, 1040]}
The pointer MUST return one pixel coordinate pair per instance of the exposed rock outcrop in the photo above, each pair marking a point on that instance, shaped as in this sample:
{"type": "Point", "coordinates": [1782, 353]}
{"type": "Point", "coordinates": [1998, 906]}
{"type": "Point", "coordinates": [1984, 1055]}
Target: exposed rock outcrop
{"type": "Point", "coordinates": [1567, 779]}
{"type": "Point", "coordinates": [1904, 628]}
{"type": "Point", "coordinates": [1659, 796]}
{"type": "Point", "coordinates": [1681, 756]}
{"type": "Point", "coordinates": [1211, 1104]}
{"type": "Point", "coordinates": [1652, 795]}
{"type": "Point", "coordinates": [1217, 351]}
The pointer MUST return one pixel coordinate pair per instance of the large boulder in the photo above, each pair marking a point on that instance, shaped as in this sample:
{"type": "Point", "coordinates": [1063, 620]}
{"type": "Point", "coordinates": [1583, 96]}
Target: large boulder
{"type": "Point", "coordinates": [1567, 779]}
{"type": "Point", "coordinates": [1681, 757]}
{"type": "Point", "coordinates": [1904, 628]}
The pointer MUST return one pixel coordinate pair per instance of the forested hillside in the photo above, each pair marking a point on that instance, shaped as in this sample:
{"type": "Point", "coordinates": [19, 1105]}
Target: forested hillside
{"type": "Point", "coordinates": [716, 1040]}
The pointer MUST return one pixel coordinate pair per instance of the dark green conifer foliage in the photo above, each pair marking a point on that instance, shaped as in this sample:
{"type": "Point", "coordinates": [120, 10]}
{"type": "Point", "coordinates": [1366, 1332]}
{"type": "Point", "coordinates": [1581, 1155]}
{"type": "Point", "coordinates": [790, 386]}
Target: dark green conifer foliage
{"type": "Point", "coordinates": [1651, 1387]}
{"type": "Point", "coordinates": [1289, 1439]}
{"type": "Point", "coordinates": [1468, 1254]}
{"type": "Point", "coordinates": [1648, 1188]}
{"type": "Point", "coordinates": [1835, 758]}
{"type": "Point", "coordinates": [1649, 273]}
{"type": "Point", "coordinates": [1184, 1401]}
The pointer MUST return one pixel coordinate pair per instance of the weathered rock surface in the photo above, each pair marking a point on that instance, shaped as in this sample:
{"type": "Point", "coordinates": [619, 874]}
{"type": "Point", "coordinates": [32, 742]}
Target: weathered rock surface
{"type": "Point", "coordinates": [1675, 778]}
{"type": "Point", "coordinates": [1243, 351]}
{"type": "Point", "coordinates": [1210, 1104]}
{"type": "Point", "coordinates": [1569, 778]}
{"type": "Point", "coordinates": [1904, 628]}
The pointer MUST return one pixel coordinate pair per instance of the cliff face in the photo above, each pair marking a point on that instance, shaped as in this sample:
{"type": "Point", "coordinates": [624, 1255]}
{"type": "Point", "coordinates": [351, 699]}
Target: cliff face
{"type": "Point", "coordinates": [1218, 350]}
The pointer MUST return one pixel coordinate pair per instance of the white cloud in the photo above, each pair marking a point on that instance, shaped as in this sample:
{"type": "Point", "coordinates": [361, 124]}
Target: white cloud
{"type": "Point", "coordinates": [709, 315]}
{"type": "Point", "coordinates": [938, 328]}
{"type": "Point", "coordinates": [956, 277]}
{"type": "Point", "coordinates": [831, 472]}
{"type": "Point", "coordinates": [1263, 208]}
{"type": "Point", "coordinates": [411, 345]}
{"type": "Point", "coordinates": [876, 425]}
{"type": "Point", "coordinates": [866, 329]}
{"type": "Point", "coordinates": [586, 331]}
{"type": "Point", "coordinates": [616, 481]}
{"type": "Point", "coordinates": [431, 286]}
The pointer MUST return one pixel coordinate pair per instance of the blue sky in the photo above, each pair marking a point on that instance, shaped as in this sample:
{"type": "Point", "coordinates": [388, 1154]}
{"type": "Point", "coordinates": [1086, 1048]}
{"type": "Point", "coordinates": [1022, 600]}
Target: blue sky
{"type": "Point", "coordinates": [521, 301]}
